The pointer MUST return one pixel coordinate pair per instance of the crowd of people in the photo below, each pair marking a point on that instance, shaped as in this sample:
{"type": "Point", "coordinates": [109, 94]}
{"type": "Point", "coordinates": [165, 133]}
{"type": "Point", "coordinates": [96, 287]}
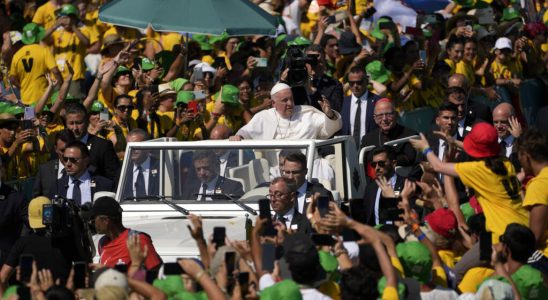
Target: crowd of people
{"type": "Point", "coordinates": [452, 99]}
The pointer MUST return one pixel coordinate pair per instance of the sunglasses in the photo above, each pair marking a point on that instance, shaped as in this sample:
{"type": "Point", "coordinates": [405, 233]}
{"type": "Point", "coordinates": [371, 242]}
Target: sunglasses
{"type": "Point", "coordinates": [73, 160]}
{"type": "Point", "coordinates": [381, 163]}
{"type": "Point", "coordinates": [359, 82]}
{"type": "Point", "coordinates": [125, 107]}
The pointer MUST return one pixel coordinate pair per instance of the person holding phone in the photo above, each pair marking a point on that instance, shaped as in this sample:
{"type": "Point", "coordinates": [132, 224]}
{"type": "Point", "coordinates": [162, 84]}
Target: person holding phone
{"type": "Point", "coordinates": [282, 195]}
{"type": "Point", "coordinates": [189, 124]}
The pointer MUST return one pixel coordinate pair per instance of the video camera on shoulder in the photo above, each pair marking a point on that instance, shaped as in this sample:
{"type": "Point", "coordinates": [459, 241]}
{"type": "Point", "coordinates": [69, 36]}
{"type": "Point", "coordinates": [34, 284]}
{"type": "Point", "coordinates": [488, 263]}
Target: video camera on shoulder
{"type": "Point", "coordinates": [296, 61]}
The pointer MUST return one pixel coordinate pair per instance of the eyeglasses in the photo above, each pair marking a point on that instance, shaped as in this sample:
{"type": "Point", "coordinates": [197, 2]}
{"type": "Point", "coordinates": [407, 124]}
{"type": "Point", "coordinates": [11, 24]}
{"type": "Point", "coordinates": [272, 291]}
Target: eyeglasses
{"type": "Point", "coordinates": [381, 163]}
{"type": "Point", "coordinates": [276, 195]}
{"type": "Point", "coordinates": [73, 160]}
{"type": "Point", "coordinates": [295, 172]}
{"type": "Point", "coordinates": [507, 123]}
{"type": "Point", "coordinates": [358, 82]}
{"type": "Point", "coordinates": [383, 115]}
{"type": "Point", "coordinates": [125, 107]}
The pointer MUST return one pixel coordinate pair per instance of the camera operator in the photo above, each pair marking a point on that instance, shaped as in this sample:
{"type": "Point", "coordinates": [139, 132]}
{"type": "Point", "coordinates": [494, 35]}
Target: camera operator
{"type": "Point", "coordinates": [321, 84]}
{"type": "Point", "coordinates": [38, 243]}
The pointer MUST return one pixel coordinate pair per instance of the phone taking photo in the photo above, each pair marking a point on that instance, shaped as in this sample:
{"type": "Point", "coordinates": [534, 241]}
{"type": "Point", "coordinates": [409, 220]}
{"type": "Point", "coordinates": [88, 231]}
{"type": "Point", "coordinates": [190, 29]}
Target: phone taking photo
{"type": "Point", "coordinates": [80, 272]}
{"type": "Point", "coordinates": [25, 267]}
{"type": "Point", "coordinates": [219, 235]}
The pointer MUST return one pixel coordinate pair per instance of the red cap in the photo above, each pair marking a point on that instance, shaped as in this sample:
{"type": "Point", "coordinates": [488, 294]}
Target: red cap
{"type": "Point", "coordinates": [326, 3]}
{"type": "Point", "coordinates": [482, 141]}
{"type": "Point", "coordinates": [443, 222]}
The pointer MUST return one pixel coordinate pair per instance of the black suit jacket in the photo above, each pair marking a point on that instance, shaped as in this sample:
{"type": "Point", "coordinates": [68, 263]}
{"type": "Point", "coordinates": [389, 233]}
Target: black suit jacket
{"type": "Point", "coordinates": [346, 117]}
{"type": "Point", "coordinates": [99, 184]}
{"type": "Point", "coordinates": [363, 210]}
{"type": "Point", "coordinates": [475, 112]}
{"type": "Point", "coordinates": [13, 217]}
{"type": "Point", "coordinates": [153, 179]}
{"type": "Point", "coordinates": [406, 154]}
{"type": "Point", "coordinates": [46, 178]}
{"type": "Point", "coordinates": [103, 158]}
{"type": "Point", "coordinates": [225, 185]}
{"type": "Point", "coordinates": [303, 225]}
{"type": "Point", "coordinates": [311, 188]}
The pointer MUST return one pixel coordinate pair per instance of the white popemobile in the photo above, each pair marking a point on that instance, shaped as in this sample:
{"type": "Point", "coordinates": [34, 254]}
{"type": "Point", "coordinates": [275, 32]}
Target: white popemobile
{"type": "Point", "coordinates": [164, 215]}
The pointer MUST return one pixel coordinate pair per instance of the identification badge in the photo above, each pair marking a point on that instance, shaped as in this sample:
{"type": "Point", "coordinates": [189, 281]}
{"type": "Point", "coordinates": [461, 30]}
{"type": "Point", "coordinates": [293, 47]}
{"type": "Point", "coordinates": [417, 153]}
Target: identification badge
{"type": "Point", "coordinates": [308, 200]}
{"type": "Point", "coordinates": [154, 171]}
{"type": "Point", "coordinates": [294, 226]}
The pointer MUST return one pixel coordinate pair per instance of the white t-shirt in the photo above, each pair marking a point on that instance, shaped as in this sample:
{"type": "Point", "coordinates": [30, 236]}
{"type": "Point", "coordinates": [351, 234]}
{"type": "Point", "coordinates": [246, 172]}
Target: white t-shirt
{"type": "Point", "coordinates": [313, 294]}
{"type": "Point", "coordinates": [440, 293]}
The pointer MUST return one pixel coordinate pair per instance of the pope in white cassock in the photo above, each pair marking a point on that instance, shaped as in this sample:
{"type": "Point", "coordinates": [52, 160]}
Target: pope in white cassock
{"type": "Point", "coordinates": [287, 121]}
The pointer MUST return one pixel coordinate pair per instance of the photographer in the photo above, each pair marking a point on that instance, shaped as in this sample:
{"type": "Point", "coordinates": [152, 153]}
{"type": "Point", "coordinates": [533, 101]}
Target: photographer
{"type": "Point", "coordinates": [46, 254]}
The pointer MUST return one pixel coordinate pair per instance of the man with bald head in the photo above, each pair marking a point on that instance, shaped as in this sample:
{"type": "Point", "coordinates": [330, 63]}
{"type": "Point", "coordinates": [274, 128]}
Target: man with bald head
{"type": "Point", "coordinates": [388, 129]}
{"type": "Point", "coordinates": [507, 126]}
{"type": "Point", "coordinates": [287, 121]}
{"type": "Point", "coordinates": [469, 111]}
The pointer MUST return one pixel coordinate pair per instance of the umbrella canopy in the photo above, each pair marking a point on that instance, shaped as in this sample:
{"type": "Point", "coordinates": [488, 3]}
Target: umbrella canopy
{"type": "Point", "coordinates": [234, 17]}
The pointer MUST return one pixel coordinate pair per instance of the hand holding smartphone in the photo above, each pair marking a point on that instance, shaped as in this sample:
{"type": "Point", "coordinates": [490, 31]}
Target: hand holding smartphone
{"type": "Point", "coordinates": [25, 267]}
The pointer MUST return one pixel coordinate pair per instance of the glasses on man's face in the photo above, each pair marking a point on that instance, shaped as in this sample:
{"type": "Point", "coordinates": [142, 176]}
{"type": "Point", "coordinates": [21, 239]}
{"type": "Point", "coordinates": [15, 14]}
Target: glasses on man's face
{"type": "Point", "coordinates": [125, 107]}
{"type": "Point", "coordinates": [276, 195]}
{"type": "Point", "coordinates": [501, 122]}
{"type": "Point", "coordinates": [73, 160]}
{"type": "Point", "coordinates": [384, 115]}
{"type": "Point", "coordinates": [380, 163]}
{"type": "Point", "coordinates": [292, 172]}
{"type": "Point", "coordinates": [358, 82]}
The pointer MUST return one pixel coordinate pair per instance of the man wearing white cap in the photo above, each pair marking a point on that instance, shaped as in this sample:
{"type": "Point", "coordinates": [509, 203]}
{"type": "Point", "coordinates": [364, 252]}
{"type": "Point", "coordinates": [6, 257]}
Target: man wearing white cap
{"type": "Point", "coordinates": [291, 121]}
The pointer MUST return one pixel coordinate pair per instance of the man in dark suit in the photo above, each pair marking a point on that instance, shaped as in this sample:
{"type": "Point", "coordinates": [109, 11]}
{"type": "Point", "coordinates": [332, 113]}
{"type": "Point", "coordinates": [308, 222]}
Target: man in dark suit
{"type": "Point", "coordinates": [446, 125]}
{"type": "Point", "coordinates": [80, 184]}
{"type": "Point", "coordinates": [294, 168]}
{"type": "Point", "coordinates": [103, 159]}
{"type": "Point", "coordinates": [357, 109]}
{"type": "Point", "coordinates": [388, 130]}
{"type": "Point", "coordinates": [282, 195]}
{"type": "Point", "coordinates": [469, 112]}
{"type": "Point", "coordinates": [228, 158]}
{"type": "Point", "coordinates": [207, 181]}
{"type": "Point", "coordinates": [13, 217]}
{"type": "Point", "coordinates": [142, 177]}
{"type": "Point", "coordinates": [369, 210]}
{"type": "Point", "coordinates": [52, 171]}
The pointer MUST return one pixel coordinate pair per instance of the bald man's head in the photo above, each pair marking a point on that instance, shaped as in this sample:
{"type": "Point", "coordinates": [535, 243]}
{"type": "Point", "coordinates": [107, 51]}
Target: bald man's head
{"type": "Point", "coordinates": [384, 115]}
{"type": "Point", "coordinates": [501, 116]}
{"type": "Point", "coordinates": [458, 80]}
{"type": "Point", "coordinates": [220, 132]}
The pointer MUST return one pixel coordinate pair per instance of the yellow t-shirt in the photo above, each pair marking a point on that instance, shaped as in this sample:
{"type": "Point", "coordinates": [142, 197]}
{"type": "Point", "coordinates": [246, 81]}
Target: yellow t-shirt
{"type": "Point", "coordinates": [513, 69]}
{"type": "Point", "coordinates": [170, 39]}
{"type": "Point", "coordinates": [439, 276]}
{"type": "Point", "coordinates": [397, 265]}
{"type": "Point", "coordinates": [125, 129]}
{"type": "Point", "coordinates": [451, 65]}
{"type": "Point", "coordinates": [537, 194]}
{"type": "Point", "coordinates": [499, 196]}
{"type": "Point", "coordinates": [68, 47]}
{"type": "Point", "coordinates": [45, 15]}
{"type": "Point", "coordinates": [467, 69]}
{"type": "Point", "coordinates": [23, 165]}
{"type": "Point", "coordinates": [164, 124]}
{"type": "Point", "coordinates": [30, 65]}
{"type": "Point", "coordinates": [473, 278]}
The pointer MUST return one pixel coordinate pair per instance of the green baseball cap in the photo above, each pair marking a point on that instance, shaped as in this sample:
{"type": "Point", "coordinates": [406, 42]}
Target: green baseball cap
{"type": "Point", "coordinates": [68, 98]}
{"type": "Point", "coordinates": [183, 97]}
{"type": "Point", "coordinates": [178, 84]}
{"type": "Point", "coordinates": [382, 284]}
{"type": "Point", "coordinates": [376, 32]}
{"type": "Point", "coordinates": [32, 34]}
{"type": "Point", "coordinates": [300, 41]}
{"type": "Point", "coordinates": [509, 14]}
{"type": "Point", "coordinates": [416, 260]}
{"type": "Point", "coordinates": [96, 106]}
{"type": "Point", "coordinates": [67, 10]}
{"type": "Point", "coordinates": [329, 262]}
{"type": "Point", "coordinates": [203, 40]}
{"type": "Point", "coordinates": [529, 283]}
{"type": "Point", "coordinates": [283, 290]}
{"type": "Point", "coordinates": [377, 71]}
{"type": "Point", "coordinates": [147, 64]}
{"type": "Point", "coordinates": [231, 95]}
{"type": "Point", "coordinates": [4, 106]}
{"type": "Point", "coordinates": [12, 290]}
